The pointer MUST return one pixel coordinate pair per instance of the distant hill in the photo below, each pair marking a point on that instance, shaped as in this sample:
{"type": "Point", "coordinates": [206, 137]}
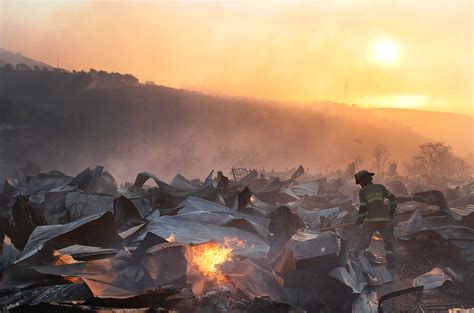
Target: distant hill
{"type": "Point", "coordinates": [452, 128]}
{"type": "Point", "coordinates": [68, 121]}
{"type": "Point", "coordinates": [16, 58]}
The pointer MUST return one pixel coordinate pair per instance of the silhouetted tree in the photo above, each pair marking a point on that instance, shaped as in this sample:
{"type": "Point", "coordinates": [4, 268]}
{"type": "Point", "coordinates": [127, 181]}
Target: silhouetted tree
{"type": "Point", "coordinates": [380, 155]}
{"type": "Point", "coordinates": [437, 159]}
{"type": "Point", "coordinates": [130, 79]}
{"type": "Point", "coordinates": [7, 67]}
{"type": "Point", "coordinates": [22, 67]}
{"type": "Point", "coordinates": [238, 158]}
{"type": "Point", "coordinates": [357, 160]}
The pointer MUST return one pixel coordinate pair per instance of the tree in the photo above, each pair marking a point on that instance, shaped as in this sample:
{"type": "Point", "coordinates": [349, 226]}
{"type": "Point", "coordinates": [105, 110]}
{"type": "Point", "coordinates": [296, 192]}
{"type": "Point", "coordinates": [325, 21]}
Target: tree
{"type": "Point", "coordinates": [183, 159]}
{"type": "Point", "coordinates": [237, 158]}
{"type": "Point", "coordinates": [437, 159]}
{"type": "Point", "coordinates": [7, 67]}
{"type": "Point", "coordinates": [22, 67]}
{"type": "Point", "coordinates": [357, 160]}
{"type": "Point", "coordinates": [130, 79]}
{"type": "Point", "coordinates": [186, 157]}
{"type": "Point", "coordinates": [461, 168]}
{"type": "Point", "coordinates": [380, 155]}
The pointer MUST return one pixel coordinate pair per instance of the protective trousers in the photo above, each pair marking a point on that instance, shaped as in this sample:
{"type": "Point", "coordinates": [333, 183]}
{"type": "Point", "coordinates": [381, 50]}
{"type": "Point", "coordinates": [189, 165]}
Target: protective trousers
{"type": "Point", "coordinates": [369, 228]}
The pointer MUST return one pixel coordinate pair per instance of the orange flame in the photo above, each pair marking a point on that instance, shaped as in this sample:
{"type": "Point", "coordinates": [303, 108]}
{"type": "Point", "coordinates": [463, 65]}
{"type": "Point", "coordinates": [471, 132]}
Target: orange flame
{"type": "Point", "coordinates": [207, 257]}
{"type": "Point", "coordinates": [206, 260]}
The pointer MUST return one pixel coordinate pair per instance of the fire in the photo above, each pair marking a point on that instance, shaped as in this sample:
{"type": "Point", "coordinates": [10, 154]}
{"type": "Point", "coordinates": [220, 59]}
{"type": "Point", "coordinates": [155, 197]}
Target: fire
{"type": "Point", "coordinates": [208, 256]}
{"type": "Point", "coordinates": [171, 238]}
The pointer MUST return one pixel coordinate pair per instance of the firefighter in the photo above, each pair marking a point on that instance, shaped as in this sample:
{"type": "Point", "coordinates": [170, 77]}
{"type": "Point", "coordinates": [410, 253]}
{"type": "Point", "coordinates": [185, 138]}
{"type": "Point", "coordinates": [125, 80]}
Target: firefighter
{"type": "Point", "coordinates": [374, 213]}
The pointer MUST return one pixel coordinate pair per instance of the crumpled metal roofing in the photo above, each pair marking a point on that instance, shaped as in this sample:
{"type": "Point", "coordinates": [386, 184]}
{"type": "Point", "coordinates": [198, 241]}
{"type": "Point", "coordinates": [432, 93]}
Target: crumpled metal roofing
{"type": "Point", "coordinates": [192, 231]}
{"type": "Point", "coordinates": [94, 230]}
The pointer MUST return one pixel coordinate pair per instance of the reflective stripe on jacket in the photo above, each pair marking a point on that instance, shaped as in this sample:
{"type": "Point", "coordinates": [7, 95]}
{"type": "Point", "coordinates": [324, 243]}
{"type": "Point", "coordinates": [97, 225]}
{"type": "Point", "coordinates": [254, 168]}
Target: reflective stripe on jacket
{"type": "Point", "coordinates": [372, 205]}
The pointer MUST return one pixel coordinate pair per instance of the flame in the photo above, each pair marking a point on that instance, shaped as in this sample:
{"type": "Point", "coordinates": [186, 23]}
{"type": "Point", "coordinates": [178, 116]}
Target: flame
{"type": "Point", "coordinates": [206, 260]}
{"type": "Point", "coordinates": [171, 238]}
{"type": "Point", "coordinates": [207, 257]}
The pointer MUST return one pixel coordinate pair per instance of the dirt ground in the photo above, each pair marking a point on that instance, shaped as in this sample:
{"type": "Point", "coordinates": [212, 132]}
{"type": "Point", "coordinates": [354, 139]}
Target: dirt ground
{"type": "Point", "coordinates": [414, 258]}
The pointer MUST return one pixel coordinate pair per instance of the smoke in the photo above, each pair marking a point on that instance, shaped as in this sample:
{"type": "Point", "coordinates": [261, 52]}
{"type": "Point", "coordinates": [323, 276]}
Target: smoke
{"type": "Point", "coordinates": [65, 124]}
{"type": "Point", "coordinates": [287, 51]}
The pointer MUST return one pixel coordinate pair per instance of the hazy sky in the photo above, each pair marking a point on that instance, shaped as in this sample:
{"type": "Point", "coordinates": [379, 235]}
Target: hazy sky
{"type": "Point", "coordinates": [415, 54]}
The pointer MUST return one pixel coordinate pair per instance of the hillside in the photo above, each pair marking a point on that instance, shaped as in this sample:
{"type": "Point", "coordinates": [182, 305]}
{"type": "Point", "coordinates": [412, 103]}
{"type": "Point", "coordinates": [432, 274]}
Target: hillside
{"type": "Point", "coordinates": [16, 58]}
{"type": "Point", "coordinates": [455, 129]}
{"type": "Point", "coordinates": [68, 121]}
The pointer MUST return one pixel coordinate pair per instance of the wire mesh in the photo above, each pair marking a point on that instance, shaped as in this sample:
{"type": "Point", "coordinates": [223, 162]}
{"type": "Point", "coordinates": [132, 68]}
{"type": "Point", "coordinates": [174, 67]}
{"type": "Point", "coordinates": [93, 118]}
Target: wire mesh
{"type": "Point", "coordinates": [402, 301]}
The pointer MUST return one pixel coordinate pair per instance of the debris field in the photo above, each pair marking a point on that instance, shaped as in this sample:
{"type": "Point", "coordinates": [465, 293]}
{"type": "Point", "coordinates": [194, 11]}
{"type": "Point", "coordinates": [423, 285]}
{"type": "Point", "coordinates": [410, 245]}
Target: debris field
{"type": "Point", "coordinates": [242, 243]}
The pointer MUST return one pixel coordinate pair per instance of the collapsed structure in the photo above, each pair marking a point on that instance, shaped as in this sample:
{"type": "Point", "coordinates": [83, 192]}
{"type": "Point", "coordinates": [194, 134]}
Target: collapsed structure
{"type": "Point", "coordinates": [251, 243]}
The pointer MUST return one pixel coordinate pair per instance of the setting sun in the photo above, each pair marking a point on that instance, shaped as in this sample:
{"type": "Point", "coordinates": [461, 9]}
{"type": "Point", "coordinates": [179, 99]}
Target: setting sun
{"type": "Point", "coordinates": [384, 51]}
{"type": "Point", "coordinates": [287, 52]}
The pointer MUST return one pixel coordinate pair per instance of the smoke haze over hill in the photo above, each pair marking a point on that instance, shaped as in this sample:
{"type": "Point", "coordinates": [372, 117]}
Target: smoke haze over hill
{"type": "Point", "coordinates": [69, 121]}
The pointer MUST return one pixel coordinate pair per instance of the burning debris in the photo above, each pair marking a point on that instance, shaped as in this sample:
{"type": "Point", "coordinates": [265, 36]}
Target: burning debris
{"type": "Point", "coordinates": [208, 256]}
{"type": "Point", "coordinates": [251, 243]}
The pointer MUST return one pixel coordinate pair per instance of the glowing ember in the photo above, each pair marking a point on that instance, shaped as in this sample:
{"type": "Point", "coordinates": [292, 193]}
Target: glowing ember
{"type": "Point", "coordinates": [233, 242]}
{"type": "Point", "coordinates": [171, 238]}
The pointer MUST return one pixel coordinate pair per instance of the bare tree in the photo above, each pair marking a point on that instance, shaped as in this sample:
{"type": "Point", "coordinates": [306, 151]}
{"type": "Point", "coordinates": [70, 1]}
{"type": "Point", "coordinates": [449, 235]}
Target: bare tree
{"type": "Point", "coordinates": [183, 159]}
{"type": "Point", "coordinates": [380, 155]}
{"type": "Point", "coordinates": [238, 158]}
{"type": "Point", "coordinates": [188, 154]}
{"type": "Point", "coordinates": [326, 169]}
{"type": "Point", "coordinates": [357, 161]}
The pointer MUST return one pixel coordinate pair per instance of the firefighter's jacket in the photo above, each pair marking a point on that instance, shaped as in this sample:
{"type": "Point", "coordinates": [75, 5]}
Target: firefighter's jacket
{"type": "Point", "coordinates": [372, 205]}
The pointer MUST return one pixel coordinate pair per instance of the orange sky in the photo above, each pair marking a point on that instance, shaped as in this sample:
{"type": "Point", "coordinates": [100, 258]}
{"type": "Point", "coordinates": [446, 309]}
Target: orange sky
{"type": "Point", "coordinates": [285, 50]}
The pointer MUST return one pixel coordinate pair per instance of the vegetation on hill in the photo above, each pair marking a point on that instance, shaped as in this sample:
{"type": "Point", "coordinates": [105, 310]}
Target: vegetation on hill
{"type": "Point", "coordinates": [68, 120]}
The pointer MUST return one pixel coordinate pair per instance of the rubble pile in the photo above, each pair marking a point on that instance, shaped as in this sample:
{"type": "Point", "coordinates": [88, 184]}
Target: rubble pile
{"type": "Point", "coordinates": [252, 244]}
